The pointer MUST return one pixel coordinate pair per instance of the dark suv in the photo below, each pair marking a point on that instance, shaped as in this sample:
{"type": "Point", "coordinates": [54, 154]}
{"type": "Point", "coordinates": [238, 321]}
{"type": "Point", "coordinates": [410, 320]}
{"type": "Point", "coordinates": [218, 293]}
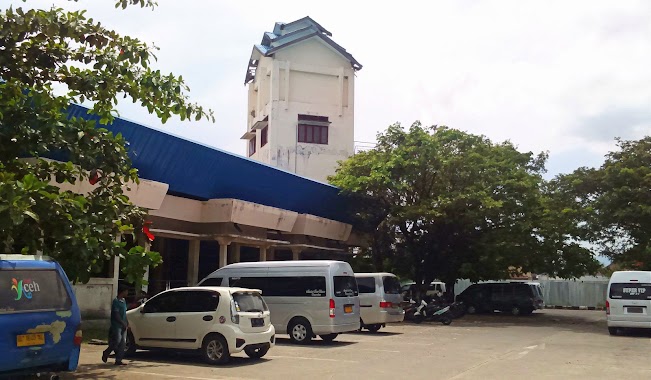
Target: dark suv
{"type": "Point", "coordinates": [517, 298]}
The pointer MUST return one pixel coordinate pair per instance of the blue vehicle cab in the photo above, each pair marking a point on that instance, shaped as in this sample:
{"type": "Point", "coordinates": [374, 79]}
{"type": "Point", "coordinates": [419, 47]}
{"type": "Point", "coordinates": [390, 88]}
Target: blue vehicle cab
{"type": "Point", "coordinates": [40, 322]}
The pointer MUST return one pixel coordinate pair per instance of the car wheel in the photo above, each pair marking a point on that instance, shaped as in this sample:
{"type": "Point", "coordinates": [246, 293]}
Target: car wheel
{"type": "Point", "coordinates": [471, 309]}
{"type": "Point", "coordinates": [328, 337]}
{"type": "Point", "coordinates": [515, 310]}
{"type": "Point", "coordinates": [130, 346]}
{"type": "Point", "coordinates": [215, 350]}
{"type": "Point", "coordinates": [613, 330]}
{"type": "Point", "coordinates": [256, 352]}
{"type": "Point", "coordinates": [300, 331]}
{"type": "Point", "coordinates": [374, 328]}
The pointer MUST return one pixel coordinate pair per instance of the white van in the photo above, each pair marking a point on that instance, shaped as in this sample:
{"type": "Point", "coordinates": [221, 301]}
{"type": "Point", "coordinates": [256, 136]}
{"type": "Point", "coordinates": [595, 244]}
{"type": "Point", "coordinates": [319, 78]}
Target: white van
{"type": "Point", "coordinates": [628, 303]}
{"type": "Point", "coordinates": [379, 300]}
{"type": "Point", "coordinates": [305, 298]}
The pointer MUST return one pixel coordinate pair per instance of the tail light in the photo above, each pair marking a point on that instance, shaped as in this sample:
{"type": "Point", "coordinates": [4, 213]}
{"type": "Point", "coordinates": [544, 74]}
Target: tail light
{"type": "Point", "coordinates": [78, 337]}
{"type": "Point", "coordinates": [332, 308]}
{"type": "Point", "coordinates": [607, 307]}
{"type": "Point", "coordinates": [235, 316]}
{"type": "Point", "coordinates": [385, 305]}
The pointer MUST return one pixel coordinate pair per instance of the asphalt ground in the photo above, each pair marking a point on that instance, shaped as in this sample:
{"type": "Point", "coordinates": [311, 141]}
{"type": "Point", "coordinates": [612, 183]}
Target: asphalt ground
{"type": "Point", "coordinates": [550, 344]}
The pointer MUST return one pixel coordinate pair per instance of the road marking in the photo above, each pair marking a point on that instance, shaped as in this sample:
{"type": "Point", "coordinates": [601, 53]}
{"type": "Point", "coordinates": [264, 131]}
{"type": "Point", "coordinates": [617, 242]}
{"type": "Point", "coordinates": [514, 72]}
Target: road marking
{"type": "Point", "coordinates": [188, 377]}
{"type": "Point", "coordinates": [307, 358]}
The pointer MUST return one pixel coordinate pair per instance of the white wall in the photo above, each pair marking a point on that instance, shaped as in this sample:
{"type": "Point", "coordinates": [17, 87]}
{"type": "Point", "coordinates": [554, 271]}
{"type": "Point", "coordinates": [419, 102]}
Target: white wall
{"type": "Point", "coordinates": [306, 78]}
{"type": "Point", "coordinates": [94, 298]}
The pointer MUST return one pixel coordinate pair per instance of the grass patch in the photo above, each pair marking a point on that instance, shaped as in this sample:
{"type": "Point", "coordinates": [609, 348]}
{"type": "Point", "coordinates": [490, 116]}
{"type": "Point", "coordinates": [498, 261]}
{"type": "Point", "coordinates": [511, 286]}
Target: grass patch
{"type": "Point", "coordinates": [94, 333]}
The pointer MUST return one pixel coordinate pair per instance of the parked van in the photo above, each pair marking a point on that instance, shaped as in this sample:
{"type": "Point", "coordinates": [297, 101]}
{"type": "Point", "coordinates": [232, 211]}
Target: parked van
{"type": "Point", "coordinates": [305, 298]}
{"type": "Point", "coordinates": [408, 289]}
{"type": "Point", "coordinates": [39, 317]}
{"type": "Point", "coordinates": [628, 303]}
{"type": "Point", "coordinates": [379, 300]}
{"type": "Point", "coordinates": [517, 298]}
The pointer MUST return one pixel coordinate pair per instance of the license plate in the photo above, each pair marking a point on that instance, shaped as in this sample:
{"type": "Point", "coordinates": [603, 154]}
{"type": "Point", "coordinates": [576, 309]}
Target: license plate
{"type": "Point", "coordinates": [635, 310]}
{"type": "Point", "coordinates": [257, 322]}
{"type": "Point", "coordinates": [26, 340]}
{"type": "Point", "coordinates": [348, 308]}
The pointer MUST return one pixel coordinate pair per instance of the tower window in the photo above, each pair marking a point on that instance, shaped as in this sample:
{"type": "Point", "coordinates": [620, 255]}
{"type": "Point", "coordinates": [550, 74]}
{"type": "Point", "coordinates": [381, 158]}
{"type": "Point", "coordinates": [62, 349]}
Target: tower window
{"type": "Point", "coordinates": [263, 136]}
{"type": "Point", "coordinates": [252, 146]}
{"type": "Point", "coordinates": [313, 129]}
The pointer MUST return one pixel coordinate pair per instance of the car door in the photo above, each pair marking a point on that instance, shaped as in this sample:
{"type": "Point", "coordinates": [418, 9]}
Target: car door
{"type": "Point", "coordinates": [155, 326]}
{"type": "Point", "coordinates": [196, 318]}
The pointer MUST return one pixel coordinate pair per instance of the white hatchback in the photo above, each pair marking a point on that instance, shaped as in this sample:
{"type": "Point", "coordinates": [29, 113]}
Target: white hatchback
{"type": "Point", "coordinates": [214, 320]}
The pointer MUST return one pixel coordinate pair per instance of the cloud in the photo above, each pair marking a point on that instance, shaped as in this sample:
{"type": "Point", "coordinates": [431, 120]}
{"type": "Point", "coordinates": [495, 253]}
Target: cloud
{"type": "Point", "coordinates": [549, 76]}
{"type": "Point", "coordinates": [626, 123]}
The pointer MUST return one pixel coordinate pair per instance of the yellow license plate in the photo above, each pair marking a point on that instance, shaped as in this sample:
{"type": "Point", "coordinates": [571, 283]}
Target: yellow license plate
{"type": "Point", "coordinates": [348, 308]}
{"type": "Point", "coordinates": [30, 340]}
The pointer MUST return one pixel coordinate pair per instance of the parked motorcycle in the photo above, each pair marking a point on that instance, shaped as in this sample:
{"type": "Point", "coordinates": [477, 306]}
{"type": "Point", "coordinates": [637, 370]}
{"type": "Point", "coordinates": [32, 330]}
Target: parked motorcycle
{"type": "Point", "coordinates": [433, 312]}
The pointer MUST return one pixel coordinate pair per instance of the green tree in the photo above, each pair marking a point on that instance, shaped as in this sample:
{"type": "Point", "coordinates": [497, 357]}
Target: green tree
{"type": "Point", "coordinates": [455, 205]}
{"type": "Point", "coordinates": [616, 203]}
{"type": "Point", "coordinates": [50, 58]}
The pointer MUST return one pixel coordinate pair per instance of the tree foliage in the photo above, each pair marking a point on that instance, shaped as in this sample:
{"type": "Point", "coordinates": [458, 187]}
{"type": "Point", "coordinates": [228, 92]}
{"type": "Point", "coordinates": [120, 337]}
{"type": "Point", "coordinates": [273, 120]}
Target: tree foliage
{"type": "Point", "coordinates": [50, 58]}
{"type": "Point", "coordinates": [615, 203]}
{"type": "Point", "coordinates": [455, 205]}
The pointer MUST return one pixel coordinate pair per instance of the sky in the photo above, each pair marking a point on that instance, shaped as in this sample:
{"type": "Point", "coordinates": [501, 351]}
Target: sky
{"type": "Point", "coordinates": [557, 76]}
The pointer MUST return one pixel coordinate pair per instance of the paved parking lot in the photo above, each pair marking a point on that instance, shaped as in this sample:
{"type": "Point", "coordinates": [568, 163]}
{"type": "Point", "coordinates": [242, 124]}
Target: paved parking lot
{"type": "Point", "coordinates": [549, 344]}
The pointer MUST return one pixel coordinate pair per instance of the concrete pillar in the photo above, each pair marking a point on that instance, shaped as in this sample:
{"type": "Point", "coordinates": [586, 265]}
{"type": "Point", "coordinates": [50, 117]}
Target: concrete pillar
{"type": "Point", "coordinates": [193, 262]}
{"type": "Point", "coordinates": [223, 251]}
{"type": "Point", "coordinates": [263, 253]}
{"type": "Point", "coordinates": [296, 253]}
{"type": "Point", "coordinates": [236, 253]}
{"type": "Point", "coordinates": [271, 254]}
{"type": "Point", "coordinates": [115, 269]}
{"type": "Point", "coordinates": [145, 284]}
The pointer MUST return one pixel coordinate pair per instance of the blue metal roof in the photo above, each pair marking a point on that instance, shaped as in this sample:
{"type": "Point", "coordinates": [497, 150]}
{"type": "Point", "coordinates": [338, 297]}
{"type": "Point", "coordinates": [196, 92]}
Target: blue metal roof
{"type": "Point", "coordinates": [287, 34]}
{"type": "Point", "coordinates": [197, 171]}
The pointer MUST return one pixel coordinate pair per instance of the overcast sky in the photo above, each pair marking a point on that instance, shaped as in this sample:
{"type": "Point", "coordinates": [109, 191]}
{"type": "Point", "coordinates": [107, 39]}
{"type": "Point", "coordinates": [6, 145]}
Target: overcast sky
{"type": "Point", "coordinates": [560, 76]}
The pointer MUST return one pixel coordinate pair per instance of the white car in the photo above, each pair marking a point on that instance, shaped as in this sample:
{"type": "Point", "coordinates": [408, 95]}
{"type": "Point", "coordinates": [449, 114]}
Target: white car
{"type": "Point", "coordinates": [214, 320]}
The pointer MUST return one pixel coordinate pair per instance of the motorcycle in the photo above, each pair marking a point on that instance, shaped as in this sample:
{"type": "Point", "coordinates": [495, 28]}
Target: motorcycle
{"type": "Point", "coordinates": [432, 311]}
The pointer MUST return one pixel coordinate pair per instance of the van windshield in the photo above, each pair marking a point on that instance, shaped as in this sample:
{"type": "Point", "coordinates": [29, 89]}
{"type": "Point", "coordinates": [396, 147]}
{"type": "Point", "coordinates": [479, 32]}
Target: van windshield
{"type": "Point", "coordinates": [32, 290]}
{"type": "Point", "coordinates": [249, 302]}
{"type": "Point", "coordinates": [391, 285]}
{"type": "Point", "coordinates": [345, 286]}
{"type": "Point", "coordinates": [630, 291]}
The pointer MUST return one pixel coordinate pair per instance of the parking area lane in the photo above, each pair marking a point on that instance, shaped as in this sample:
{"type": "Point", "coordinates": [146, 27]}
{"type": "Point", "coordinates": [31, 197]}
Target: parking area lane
{"type": "Point", "coordinates": [547, 345]}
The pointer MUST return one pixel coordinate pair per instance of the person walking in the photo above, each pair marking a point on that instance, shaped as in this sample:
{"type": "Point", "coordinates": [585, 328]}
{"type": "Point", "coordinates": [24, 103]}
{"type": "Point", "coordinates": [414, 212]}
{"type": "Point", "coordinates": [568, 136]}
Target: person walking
{"type": "Point", "coordinates": [119, 327]}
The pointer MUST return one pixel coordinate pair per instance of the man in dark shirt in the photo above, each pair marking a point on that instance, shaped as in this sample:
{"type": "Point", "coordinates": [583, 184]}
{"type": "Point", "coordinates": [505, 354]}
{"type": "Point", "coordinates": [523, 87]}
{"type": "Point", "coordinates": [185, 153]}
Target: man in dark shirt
{"type": "Point", "coordinates": [119, 326]}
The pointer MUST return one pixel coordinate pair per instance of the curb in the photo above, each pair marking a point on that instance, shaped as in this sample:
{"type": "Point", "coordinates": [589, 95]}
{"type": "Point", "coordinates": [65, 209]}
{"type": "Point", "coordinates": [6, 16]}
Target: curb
{"type": "Point", "coordinates": [575, 307]}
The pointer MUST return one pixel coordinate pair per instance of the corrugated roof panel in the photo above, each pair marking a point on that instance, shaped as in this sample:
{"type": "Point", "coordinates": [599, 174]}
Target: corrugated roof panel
{"type": "Point", "coordinates": [196, 171]}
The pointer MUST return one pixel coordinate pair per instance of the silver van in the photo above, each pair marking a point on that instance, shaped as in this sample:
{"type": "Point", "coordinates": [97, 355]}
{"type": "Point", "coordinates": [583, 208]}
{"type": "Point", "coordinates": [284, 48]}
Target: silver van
{"type": "Point", "coordinates": [379, 300]}
{"type": "Point", "coordinates": [305, 298]}
{"type": "Point", "coordinates": [628, 302]}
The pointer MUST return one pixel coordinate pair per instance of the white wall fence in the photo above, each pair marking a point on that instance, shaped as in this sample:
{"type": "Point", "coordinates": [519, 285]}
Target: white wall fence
{"type": "Point", "coordinates": [567, 293]}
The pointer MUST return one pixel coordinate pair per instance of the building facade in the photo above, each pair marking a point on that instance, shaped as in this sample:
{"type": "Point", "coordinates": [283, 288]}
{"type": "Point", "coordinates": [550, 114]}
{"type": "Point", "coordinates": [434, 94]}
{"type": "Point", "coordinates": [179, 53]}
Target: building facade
{"type": "Point", "coordinates": [301, 87]}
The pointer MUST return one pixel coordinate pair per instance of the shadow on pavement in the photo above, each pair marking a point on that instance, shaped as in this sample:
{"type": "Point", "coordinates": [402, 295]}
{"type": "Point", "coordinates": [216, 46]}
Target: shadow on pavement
{"type": "Point", "coordinates": [570, 320]}
{"type": "Point", "coordinates": [315, 343]}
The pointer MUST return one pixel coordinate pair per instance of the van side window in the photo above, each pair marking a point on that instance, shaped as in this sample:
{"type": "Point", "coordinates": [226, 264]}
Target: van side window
{"type": "Point", "coordinates": [212, 281]}
{"type": "Point", "coordinates": [303, 286]}
{"type": "Point", "coordinates": [249, 283]}
{"type": "Point", "coordinates": [391, 285]}
{"type": "Point", "coordinates": [345, 286]}
{"type": "Point", "coordinates": [366, 284]}
{"type": "Point", "coordinates": [32, 290]}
